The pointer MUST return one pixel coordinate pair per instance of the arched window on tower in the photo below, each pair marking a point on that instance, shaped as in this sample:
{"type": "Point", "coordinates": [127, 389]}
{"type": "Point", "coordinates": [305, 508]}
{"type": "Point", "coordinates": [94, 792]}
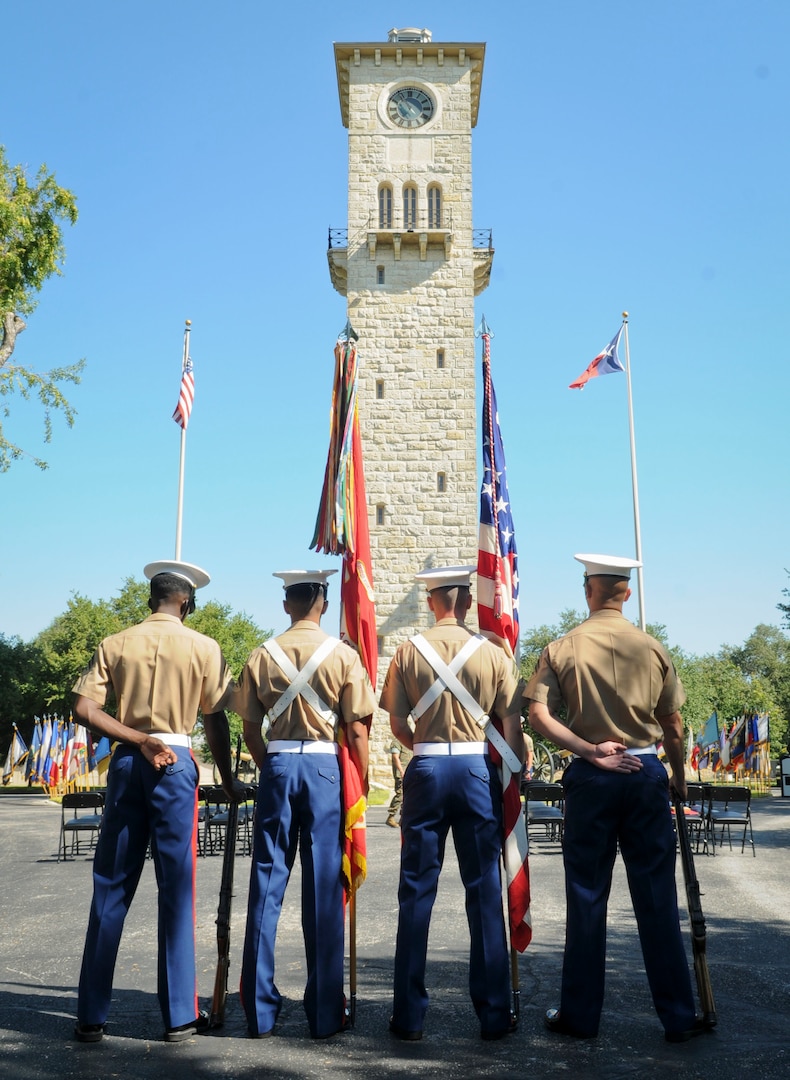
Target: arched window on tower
{"type": "Point", "coordinates": [385, 206]}
{"type": "Point", "coordinates": [410, 206]}
{"type": "Point", "coordinates": [434, 207]}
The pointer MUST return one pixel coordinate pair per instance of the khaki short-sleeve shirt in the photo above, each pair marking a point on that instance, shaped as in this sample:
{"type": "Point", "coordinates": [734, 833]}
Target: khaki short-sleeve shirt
{"type": "Point", "coordinates": [161, 672]}
{"type": "Point", "coordinates": [488, 675]}
{"type": "Point", "coordinates": [341, 682]}
{"type": "Point", "coordinates": [614, 679]}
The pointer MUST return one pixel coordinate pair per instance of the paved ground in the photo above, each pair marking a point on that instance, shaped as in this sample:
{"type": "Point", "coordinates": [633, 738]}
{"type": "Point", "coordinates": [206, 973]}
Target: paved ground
{"type": "Point", "coordinates": [44, 908]}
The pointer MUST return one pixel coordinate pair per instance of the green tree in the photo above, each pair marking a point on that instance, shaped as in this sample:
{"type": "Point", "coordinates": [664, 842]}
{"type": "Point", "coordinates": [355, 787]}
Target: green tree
{"type": "Point", "coordinates": [785, 608]}
{"type": "Point", "coordinates": [19, 702]}
{"type": "Point", "coordinates": [764, 659]}
{"type": "Point", "coordinates": [65, 648]}
{"type": "Point", "coordinates": [31, 251]}
{"type": "Point", "coordinates": [537, 638]}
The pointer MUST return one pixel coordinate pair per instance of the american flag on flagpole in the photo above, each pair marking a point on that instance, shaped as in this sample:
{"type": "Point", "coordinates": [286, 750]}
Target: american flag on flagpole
{"type": "Point", "coordinates": [497, 616]}
{"type": "Point", "coordinates": [186, 395]}
{"type": "Point", "coordinates": [497, 559]}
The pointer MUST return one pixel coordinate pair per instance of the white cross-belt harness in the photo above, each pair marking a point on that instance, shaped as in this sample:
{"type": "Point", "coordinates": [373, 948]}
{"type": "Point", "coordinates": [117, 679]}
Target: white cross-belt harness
{"type": "Point", "coordinates": [448, 680]}
{"type": "Point", "coordinates": [299, 680]}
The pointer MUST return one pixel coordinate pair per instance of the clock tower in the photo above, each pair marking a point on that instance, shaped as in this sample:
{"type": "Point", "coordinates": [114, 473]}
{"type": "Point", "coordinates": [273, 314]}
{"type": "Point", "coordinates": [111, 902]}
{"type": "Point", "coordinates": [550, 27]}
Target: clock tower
{"type": "Point", "coordinates": [410, 264]}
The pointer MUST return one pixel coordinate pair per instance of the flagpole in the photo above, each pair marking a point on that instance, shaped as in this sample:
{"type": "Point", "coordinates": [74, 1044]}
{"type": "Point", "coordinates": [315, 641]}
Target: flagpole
{"type": "Point", "coordinates": [634, 485]}
{"type": "Point", "coordinates": [180, 510]}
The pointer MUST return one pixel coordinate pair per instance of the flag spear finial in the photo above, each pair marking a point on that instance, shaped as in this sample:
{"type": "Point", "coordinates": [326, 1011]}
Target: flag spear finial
{"type": "Point", "coordinates": [348, 332]}
{"type": "Point", "coordinates": [483, 328]}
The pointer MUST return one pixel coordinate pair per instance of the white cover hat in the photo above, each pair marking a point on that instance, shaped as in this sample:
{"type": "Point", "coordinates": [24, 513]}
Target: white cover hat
{"type": "Point", "coordinates": [303, 577]}
{"type": "Point", "coordinates": [612, 565]}
{"type": "Point", "coordinates": [196, 577]}
{"type": "Point", "coordinates": [444, 577]}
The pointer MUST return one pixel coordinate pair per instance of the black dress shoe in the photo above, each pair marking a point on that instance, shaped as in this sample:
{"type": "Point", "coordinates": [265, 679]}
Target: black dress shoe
{"type": "Point", "coordinates": [89, 1033]}
{"type": "Point", "coordinates": [554, 1023]}
{"type": "Point", "coordinates": [402, 1033]}
{"type": "Point", "coordinates": [185, 1031]}
{"type": "Point", "coordinates": [500, 1033]}
{"type": "Point", "coordinates": [699, 1027]}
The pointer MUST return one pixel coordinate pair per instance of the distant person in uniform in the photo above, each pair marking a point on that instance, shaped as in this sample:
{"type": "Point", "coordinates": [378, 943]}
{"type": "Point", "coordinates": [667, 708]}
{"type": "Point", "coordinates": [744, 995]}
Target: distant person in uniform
{"type": "Point", "coordinates": [305, 684]}
{"type": "Point", "coordinates": [451, 784]}
{"type": "Point", "coordinates": [161, 672]}
{"type": "Point", "coordinates": [400, 758]}
{"type": "Point", "coordinates": [622, 697]}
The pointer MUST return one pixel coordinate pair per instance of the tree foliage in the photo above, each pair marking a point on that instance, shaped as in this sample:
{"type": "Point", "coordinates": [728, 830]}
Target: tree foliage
{"type": "Point", "coordinates": [37, 678]}
{"type": "Point", "coordinates": [751, 678]}
{"type": "Point", "coordinates": [785, 608]}
{"type": "Point", "coordinates": [31, 251]}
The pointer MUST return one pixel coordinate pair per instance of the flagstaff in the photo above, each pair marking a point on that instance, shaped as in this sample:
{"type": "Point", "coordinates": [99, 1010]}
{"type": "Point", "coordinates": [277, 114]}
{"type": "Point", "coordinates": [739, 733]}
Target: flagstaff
{"type": "Point", "coordinates": [181, 416]}
{"type": "Point", "coordinates": [634, 485]}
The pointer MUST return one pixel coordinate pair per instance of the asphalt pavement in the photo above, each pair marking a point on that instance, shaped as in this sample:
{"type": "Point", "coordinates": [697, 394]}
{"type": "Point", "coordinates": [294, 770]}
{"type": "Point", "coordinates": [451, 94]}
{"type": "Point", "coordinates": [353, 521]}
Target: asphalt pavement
{"type": "Point", "coordinates": [44, 909]}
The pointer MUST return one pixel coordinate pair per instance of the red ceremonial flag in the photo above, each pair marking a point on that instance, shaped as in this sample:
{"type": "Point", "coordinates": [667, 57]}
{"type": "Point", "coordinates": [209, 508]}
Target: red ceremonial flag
{"type": "Point", "coordinates": [497, 616]}
{"type": "Point", "coordinates": [186, 395]}
{"type": "Point", "coordinates": [342, 529]}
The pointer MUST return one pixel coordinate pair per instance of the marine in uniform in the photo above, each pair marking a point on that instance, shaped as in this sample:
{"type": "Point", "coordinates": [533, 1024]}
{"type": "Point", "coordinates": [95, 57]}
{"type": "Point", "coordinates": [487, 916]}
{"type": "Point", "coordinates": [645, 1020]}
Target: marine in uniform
{"type": "Point", "coordinates": [400, 758]}
{"type": "Point", "coordinates": [451, 784]}
{"type": "Point", "coordinates": [622, 696]}
{"type": "Point", "coordinates": [161, 672]}
{"type": "Point", "coordinates": [302, 684]}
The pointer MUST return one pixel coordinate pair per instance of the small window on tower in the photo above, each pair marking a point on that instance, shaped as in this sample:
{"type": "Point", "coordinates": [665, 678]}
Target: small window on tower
{"type": "Point", "coordinates": [379, 275]}
{"type": "Point", "coordinates": [379, 389]}
{"type": "Point", "coordinates": [440, 357]}
{"type": "Point", "coordinates": [380, 644]}
{"type": "Point", "coordinates": [441, 481]}
{"type": "Point", "coordinates": [380, 514]}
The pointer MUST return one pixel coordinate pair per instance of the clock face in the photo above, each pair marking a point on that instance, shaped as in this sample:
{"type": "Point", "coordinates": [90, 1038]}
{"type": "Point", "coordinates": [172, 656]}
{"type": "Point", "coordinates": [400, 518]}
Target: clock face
{"type": "Point", "coordinates": [410, 107]}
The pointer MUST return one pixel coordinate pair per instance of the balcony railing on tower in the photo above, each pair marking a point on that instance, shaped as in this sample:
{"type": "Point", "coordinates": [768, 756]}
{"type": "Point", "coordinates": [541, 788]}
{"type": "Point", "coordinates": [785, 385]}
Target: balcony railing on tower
{"type": "Point", "coordinates": [424, 232]}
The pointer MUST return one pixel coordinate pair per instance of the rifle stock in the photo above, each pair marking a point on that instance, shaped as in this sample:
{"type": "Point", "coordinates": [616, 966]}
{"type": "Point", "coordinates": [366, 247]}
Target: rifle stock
{"type": "Point", "coordinates": [223, 911]}
{"type": "Point", "coordinates": [696, 919]}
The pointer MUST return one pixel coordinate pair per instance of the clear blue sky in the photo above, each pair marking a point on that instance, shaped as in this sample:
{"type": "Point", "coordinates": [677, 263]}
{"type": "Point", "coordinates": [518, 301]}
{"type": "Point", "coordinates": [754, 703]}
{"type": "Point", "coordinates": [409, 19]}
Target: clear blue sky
{"type": "Point", "coordinates": [627, 156]}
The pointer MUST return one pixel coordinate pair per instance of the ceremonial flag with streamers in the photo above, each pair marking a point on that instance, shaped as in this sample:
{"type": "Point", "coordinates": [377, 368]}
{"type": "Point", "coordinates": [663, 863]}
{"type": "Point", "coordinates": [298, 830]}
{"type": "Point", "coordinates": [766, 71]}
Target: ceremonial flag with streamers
{"type": "Point", "coordinates": [342, 529]}
{"type": "Point", "coordinates": [606, 363]}
{"type": "Point", "coordinates": [497, 616]}
{"type": "Point", "coordinates": [17, 752]}
{"type": "Point", "coordinates": [186, 395]}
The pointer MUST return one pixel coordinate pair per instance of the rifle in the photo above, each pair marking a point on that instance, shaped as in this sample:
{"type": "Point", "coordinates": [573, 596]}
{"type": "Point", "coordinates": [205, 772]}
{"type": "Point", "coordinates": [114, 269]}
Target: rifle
{"type": "Point", "coordinates": [696, 918]}
{"type": "Point", "coordinates": [223, 911]}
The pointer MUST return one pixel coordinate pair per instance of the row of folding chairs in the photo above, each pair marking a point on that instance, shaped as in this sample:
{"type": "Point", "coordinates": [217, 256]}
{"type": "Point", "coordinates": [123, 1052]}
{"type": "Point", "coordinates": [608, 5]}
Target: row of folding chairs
{"type": "Point", "coordinates": [213, 820]}
{"type": "Point", "coordinates": [712, 808]}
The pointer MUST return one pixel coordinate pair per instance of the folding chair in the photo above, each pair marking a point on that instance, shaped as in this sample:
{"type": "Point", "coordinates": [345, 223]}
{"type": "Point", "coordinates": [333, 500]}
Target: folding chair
{"type": "Point", "coordinates": [246, 814]}
{"type": "Point", "coordinates": [728, 806]}
{"type": "Point", "coordinates": [696, 807]}
{"type": "Point", "coordinates": [215, 818]}
{"type": "Point", "coordinates": [543, 805]}
{"type": "Point", "coordinates": [80, 813]}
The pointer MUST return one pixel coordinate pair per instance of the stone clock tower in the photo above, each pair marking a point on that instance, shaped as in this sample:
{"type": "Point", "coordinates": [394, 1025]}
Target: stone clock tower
{"type": "Point", "coordinates": [410, 264]}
